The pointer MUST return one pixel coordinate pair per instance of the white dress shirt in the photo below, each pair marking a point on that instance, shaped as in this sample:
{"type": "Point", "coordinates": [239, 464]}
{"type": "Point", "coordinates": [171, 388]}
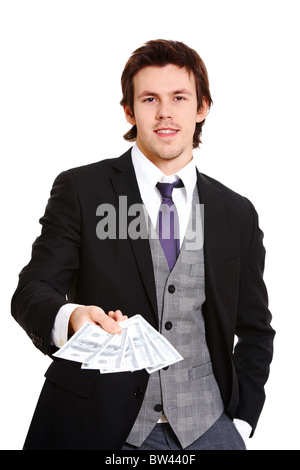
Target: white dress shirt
{"type": "Point", "coordinates": [148, 175]}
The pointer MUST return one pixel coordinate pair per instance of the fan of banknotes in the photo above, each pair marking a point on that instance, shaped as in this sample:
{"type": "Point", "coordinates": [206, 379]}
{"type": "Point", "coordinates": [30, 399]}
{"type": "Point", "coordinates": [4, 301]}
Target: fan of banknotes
{"type": "Point", "coordinates": [139, 346]}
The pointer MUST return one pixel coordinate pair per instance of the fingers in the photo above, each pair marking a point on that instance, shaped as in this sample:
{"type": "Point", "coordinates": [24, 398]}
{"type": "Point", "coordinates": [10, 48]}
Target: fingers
{"type": "Point", "coordinates": [110, 322]}
{"type": "Point", "coordinates": [117, 315]}
{"type": "Point", "coordinates": [110, 325]}
{"type": "Point", "coordinates": [93, 314]}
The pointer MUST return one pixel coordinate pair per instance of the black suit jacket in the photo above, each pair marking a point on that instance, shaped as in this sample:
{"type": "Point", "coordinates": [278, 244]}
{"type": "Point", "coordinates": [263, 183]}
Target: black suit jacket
{"type": "Point", "coordinates": [86, 410]}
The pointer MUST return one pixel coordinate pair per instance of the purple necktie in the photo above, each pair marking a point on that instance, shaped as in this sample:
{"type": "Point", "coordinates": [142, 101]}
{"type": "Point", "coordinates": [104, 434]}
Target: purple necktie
{"type": "Point", "coordinates": [168, 224]}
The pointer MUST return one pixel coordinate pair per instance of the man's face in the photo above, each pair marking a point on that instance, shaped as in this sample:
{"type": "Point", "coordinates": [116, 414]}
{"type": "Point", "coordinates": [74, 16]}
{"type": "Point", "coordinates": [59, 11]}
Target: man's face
{"type": "Point", "coordinates": [165, 113]}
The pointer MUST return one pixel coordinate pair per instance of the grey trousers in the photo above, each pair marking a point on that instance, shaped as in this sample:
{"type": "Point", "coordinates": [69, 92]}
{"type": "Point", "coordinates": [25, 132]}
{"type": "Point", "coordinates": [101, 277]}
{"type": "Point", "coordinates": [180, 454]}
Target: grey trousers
{"type": "Point", "coordinates": [222, 435]}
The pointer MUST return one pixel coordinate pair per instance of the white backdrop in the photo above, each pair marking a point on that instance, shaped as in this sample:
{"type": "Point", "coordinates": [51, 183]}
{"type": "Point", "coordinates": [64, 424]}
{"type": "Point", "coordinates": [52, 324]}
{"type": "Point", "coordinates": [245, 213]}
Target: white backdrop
{"type": "Point", "coordinates": [61, 62]}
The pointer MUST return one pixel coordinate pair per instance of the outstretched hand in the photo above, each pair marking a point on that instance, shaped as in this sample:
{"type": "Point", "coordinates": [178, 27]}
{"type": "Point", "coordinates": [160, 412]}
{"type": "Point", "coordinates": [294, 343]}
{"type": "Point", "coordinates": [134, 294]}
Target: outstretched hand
{"type": "Point", "coordinates": [109, 322]}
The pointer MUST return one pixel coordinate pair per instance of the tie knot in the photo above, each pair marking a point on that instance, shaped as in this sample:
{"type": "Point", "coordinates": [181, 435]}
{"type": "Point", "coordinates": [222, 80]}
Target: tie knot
{"type": "Point", "coordinates": [166, 189]}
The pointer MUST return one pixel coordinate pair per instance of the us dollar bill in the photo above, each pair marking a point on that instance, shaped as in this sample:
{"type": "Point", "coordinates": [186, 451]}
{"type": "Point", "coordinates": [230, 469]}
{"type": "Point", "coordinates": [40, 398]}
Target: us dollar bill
{"type": "Point", "coordinates": [85, 344]}
{"type": "Point", "coordinates": [139, 346]}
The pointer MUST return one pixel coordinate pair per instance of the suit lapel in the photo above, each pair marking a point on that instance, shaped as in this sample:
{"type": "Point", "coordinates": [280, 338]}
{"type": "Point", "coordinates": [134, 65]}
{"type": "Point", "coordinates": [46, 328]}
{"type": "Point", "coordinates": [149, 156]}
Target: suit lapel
{"type": "Point", "coordinates": [214, 220]}
{"type": "Point", "coordinates": [125, 184]}
{"type": "Point", "coordinates": [215, 244]}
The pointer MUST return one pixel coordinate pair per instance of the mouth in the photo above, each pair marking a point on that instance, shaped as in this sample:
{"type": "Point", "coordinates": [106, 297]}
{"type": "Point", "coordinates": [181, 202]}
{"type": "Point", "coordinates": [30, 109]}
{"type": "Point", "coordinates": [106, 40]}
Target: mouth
{"type": "Point", "coordinates": [166, 132]}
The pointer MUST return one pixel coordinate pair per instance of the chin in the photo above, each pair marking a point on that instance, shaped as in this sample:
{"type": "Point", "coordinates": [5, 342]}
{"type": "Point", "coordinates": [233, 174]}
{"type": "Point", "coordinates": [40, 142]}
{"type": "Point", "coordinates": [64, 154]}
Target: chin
{"type": "Point", "coordinates": [170, 155]}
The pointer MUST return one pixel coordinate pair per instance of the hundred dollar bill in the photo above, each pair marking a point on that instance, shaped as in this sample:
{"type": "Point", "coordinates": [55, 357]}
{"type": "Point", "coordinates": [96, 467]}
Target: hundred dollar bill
{"type": "Point", "coordinates": [128, 363]}
{"type": "Point", "coordinates": [139, 346]}
{"type": "Point", "coordinates": [85, 344]}
{"type": "Point", "coordinates": [110, 355]}
{"type": "Point", "coordinates": [160, 349]}
{"type": "Point", "coordinates": [127, 351]}
{"type": "Point", "coordinates": [171, 357]}
{"type": "Point", "coordinates": [114, 356]}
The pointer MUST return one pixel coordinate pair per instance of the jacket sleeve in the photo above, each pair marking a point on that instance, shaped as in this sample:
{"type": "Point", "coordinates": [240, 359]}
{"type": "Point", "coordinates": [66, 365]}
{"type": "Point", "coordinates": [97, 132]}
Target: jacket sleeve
{"type": "Point", "coordinates": [44, 282]}
{"type": "Point", "coordinates": [254, 348]}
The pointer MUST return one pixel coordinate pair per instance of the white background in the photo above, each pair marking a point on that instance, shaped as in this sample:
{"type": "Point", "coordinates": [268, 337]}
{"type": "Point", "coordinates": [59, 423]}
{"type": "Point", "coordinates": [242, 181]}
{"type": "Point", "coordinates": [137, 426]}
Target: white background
{"type": "Point", "coordinates": [61, 63]}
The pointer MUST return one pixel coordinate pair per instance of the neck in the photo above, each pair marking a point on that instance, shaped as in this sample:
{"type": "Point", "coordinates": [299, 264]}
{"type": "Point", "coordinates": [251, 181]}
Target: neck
{"type": "Point", "coordinates": [169, 165]}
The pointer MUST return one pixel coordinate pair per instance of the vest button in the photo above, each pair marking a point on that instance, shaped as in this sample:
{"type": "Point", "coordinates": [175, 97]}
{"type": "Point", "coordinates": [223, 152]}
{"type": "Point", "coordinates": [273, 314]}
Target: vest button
{"type": "Point", "coordinates": [158, 407]}
{"type": "Point", "coordinates": [171, 289]}
{"type": "Point", "coordinates": [168, 325]}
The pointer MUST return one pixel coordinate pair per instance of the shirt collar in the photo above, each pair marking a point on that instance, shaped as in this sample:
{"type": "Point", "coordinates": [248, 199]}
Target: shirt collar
{"type": "Point", "coordinates": [149, 174]}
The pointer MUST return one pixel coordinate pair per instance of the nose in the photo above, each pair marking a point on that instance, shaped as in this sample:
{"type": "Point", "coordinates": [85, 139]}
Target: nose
{"type": "Point", "coordinates": [163, 111]}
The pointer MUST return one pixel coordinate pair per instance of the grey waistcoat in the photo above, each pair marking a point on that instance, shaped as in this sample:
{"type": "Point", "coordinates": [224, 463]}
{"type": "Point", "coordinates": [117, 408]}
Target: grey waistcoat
{"type": "Point", "coordinates": [187, 391]}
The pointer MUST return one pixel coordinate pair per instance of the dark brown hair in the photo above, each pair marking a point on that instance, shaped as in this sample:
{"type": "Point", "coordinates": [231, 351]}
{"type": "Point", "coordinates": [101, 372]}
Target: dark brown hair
{"type": "Point", "coordinates": [159, 53]}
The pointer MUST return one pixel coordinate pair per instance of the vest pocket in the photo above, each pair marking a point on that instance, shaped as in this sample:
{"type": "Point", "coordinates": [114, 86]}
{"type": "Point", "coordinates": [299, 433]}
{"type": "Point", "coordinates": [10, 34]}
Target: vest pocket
{"type": "Point", "coordinates": [198, 372]}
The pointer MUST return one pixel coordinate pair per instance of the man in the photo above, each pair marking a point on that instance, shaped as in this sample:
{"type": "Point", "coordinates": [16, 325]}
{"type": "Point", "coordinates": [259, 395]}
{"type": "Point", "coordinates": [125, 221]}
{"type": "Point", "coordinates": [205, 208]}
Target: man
{"type": "Point", "coordinates": [200, 300]}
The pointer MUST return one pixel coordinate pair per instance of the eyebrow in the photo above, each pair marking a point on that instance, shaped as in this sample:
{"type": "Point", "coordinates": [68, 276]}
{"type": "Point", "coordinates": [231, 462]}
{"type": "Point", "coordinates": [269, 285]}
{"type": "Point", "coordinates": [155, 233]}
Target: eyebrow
{"type": "Point", "coordinates": [181, 91]}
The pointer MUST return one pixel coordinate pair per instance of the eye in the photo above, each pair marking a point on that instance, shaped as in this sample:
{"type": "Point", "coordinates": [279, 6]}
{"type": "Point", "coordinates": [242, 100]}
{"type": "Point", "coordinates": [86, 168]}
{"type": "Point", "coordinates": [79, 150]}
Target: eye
{"type": "Point", "coordinates": [179, 98]}
{"type": "Point", "coordinates": [149, 100]}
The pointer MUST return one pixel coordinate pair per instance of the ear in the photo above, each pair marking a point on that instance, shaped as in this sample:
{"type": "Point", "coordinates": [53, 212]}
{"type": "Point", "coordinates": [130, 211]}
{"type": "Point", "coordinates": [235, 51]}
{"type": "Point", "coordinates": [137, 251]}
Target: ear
{"type": "Point", "coordinates": [129, 115]}
{"type": "Point", "coordinates": [203, 111]}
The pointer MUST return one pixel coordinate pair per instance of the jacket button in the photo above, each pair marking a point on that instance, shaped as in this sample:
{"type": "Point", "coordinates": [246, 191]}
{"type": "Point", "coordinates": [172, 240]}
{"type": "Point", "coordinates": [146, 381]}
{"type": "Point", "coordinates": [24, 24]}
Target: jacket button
{"type": "Point", "coordinates": [137, 392]}
{"type": "Point", "coordinates": [158, 407]}
{"type": "Point", "coordinates": [168, 325]}
{"type": "Point", "coordinates": [171, 289]}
